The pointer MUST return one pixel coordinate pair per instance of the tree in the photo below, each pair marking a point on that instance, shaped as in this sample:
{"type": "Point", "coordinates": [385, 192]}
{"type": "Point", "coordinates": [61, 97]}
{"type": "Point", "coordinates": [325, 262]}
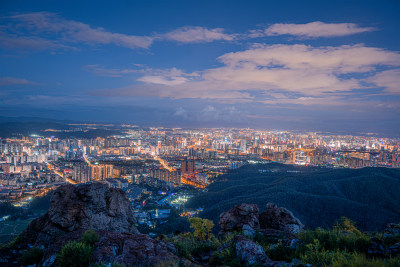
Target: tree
{"type": "Point", "coordinates": [202, 227]}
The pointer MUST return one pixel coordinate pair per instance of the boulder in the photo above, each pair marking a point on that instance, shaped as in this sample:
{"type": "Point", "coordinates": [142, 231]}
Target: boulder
{"type": "Point", "coordinates": [81, 207]}
{"type": "Point", "coordinates": [135, 250]}
{"type": "Point", "coordinates": [279, 218]}
{"type": "Point", "coordinates": [248, 252]}
{"type": "Point", "coordinates": [239, 216]}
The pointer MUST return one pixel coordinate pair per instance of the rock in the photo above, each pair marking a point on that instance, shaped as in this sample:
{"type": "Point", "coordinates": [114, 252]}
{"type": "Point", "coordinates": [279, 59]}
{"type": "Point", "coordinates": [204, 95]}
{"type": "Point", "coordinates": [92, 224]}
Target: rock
{"type": "Point", "coordinates": [249, 252]}
{"type": "Point", "coordinates": [135, 250]}
{"type": "Point", "coordinates": [391, 230]}
{"type": "Point", "coordinates": [377, 248]}
{"type": "Point", "coordinates": [248, 231]}
{"type": "Point", "coordinates": [394, 249]}
{"type": "Point", "coordinates": [239, 216]}
{"type": "Point", "coordinates": [279, 218]}
{"type": "Point", "coordinates": [81, 207]}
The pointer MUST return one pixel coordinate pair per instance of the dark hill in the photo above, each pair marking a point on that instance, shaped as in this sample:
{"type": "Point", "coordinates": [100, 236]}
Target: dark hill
{"type": "Point", "coordinates": [317, 196]}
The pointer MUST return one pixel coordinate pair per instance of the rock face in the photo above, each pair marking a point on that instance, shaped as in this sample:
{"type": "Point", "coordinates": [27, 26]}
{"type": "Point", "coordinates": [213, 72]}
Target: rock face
{"type": "Point", "coordinates": [279, 218]}
{"type": "Point", "coordinates": [239, 216]}
{"type": "Point", "coordinates": [249, 252]}
{"type": "Point", "coordinates": [135, 250]}
{"type": "Point", "coordinates": [81, 207]}
{"type": "Point", "coordinates": [273, 221]}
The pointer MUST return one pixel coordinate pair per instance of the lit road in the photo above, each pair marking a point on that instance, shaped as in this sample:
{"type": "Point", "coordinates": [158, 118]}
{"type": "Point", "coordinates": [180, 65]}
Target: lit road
{"type": "Point", "coordinates": [60, 174]}
{"type": "Point", "coordinates": [87, 160]}
{"type": "Point", "coordinates": [164, 163]}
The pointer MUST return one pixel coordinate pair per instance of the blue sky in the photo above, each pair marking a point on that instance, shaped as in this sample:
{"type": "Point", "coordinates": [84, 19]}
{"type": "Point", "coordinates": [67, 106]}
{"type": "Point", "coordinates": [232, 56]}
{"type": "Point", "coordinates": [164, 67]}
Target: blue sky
{"type": "Point", "coordinates": [307, 65]}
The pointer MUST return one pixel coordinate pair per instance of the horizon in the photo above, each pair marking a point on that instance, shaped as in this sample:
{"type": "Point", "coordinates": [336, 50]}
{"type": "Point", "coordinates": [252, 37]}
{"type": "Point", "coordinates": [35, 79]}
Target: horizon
{"type": "Point", "coordinates": [309, 66]}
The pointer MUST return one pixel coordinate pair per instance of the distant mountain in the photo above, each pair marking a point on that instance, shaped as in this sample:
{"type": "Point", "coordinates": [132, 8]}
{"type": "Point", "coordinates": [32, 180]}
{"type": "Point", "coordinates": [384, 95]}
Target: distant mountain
{"type": "Point", "coordinates": [317, 196]}
{"type": "Point", "coordinates": [26, 128]}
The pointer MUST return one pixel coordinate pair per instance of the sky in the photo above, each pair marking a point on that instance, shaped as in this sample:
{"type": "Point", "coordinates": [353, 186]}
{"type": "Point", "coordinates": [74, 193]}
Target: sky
{"type": "Point", "coordinates": [290, 65]}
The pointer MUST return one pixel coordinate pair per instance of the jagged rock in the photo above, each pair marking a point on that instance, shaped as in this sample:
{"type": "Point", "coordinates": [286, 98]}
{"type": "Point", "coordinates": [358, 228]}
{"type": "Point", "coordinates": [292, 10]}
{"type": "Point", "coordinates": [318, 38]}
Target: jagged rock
{"type": "Point", "coordinates": [249, 252]}
{"type": "Point", "coordinates": [137, 250]}
{"type": "Point", "coordinates": [248, 231]}
{"type": "Point", "coordinates": [81, 207]}
{"type": "Point", "coordinates": [279, 218]}
{"type": "Point", "coordinates": [239, 216]}
{"type": "Point", "coordinates": [377, 248]}
{"type": "Point", "coordinates": [124, 248]}
{"type": "Point", "coordinates": [391, 230]}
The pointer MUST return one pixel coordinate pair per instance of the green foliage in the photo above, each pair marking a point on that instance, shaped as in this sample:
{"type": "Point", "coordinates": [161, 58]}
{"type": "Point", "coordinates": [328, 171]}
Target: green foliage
{"type": "Point", "coordinates": [337, 240]}
{"type": "Point", "coordinates": [317, 255]}
{"type": "Point", "coordinates": [31, 256]}
{"type": "Point", "coordinates": [202, 227]}
{"type": "Point", "coordinates": [346, 225]}
{"type": "Point", "coordinates": [188, 246]}
{"type": "Point", "coordinates": [359, 260]}
{"type": "Point", "coordinates": [225, 257]}
{"type": "Point", "coordinates": [75, 254]}
{"type": "Point", "coordinates": [90, 238]}
{"type": "Point", "coordinates": [280, 252]}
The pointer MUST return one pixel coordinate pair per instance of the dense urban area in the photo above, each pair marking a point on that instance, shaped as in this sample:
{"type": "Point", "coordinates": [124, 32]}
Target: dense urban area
{"type": "Point", "coordinates": [161, 168]}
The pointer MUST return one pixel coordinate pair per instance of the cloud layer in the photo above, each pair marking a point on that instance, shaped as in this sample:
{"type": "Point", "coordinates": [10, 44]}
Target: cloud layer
{"type": "Point", "coordinates": [44, 30]}
{"type": "Point", "coordinates": [281, 74]}
{"type": "Point", "coordinates": [317, 29]}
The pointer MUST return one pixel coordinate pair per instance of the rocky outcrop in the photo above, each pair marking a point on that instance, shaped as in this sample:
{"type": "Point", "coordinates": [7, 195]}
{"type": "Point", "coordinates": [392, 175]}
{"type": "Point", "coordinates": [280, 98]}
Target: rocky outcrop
{"type": "Point", "coordinates": [280, 218]}
{"type": "Point", "coordinates": [135, 250]}
{"type": "Point", "coordinates": [275, 221]}
{"type": "Point", "coordinates": [238, 217]}
{"type": "Point", "coordinates": [81, 207]}
{"type": "Point", "coordinates": [248, 252]}
{"type": "Point", "coordinates": [126, 249]}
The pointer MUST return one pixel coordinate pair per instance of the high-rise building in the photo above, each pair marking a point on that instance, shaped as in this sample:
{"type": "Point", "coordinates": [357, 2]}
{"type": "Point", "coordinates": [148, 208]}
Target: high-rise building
{"type": "Point", "coordinates": [188, 166]}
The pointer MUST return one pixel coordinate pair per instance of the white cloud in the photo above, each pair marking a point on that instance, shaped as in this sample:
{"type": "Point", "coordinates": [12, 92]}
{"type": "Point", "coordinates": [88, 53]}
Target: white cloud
{"type": "Point", "coordinates": [389, 80]}
{"type": "Point", "coordinates": [197, 35]}
{"type": "Point", "coordinates": [288, 74]}
{"type": "Point", "coordinates": [317, 29]}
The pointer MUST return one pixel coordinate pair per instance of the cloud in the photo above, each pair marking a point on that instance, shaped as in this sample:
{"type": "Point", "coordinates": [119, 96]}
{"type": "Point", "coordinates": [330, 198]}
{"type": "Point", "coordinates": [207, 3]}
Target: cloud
{"type": "Point", "coordinates": [281, 74]}
{"type": "Point", "coordinates": [317, 29]}
{"type": "Point", "coordinates": [389, 80]}
{"type": "Point", "coordinates": [197, 35]}
{"type": "Point", "coordinates": [104, 72]}
{"type": "Point", "coordinates": [45, 30]}
{"type": "Point", "coordinates": [14, 81]}
{"type": "Point", "coordinates": [42, 30]}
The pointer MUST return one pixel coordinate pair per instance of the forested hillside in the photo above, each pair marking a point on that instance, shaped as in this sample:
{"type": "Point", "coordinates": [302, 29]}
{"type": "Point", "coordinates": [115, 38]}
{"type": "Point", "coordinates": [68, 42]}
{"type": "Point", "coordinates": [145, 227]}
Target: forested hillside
{"type": "Point", "coordinates": [317, 196]}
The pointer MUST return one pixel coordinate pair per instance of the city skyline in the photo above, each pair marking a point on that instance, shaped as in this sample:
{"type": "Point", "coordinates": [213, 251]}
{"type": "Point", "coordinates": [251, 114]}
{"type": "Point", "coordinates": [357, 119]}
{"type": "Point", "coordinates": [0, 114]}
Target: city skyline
{"type": "Point", "coordinates": [308, 66]}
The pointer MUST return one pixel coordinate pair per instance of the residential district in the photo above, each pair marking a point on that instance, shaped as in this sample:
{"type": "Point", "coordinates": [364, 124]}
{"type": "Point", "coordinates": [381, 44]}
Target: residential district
{"type": "Point", "coordinates": [160, 168]}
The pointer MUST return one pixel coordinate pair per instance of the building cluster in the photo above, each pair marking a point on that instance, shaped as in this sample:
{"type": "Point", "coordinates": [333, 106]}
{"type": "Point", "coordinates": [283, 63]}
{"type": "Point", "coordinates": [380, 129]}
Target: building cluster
{"type": "Point", "coordinates": [173, 157]}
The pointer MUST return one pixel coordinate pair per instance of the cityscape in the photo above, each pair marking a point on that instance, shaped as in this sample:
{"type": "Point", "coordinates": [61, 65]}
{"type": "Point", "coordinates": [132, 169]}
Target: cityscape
{"type": "Point", "coordinates": [207, 133]}
{"type": "Point", "coordinates": [174, 157]}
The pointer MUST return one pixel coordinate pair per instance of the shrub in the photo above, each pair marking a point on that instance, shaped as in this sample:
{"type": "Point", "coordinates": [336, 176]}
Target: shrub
{"type": "Point", "coordinates": [337, 240]}
{"type": "Point", "coordinates": [317, 255]}
{"type": "Point", "coordinates": [188, 246]}
{"type": "Point", "coordinates": [280, 252]}
{"type": "Point", "coordinates": [75, 254]}
{"type": "Point", "coordinates": [359, 260]}
{"type": "Point", "coordinates": [90, 238]}
{"type": "Point", "coordinates": [346, 225]}
{"type": "Point", "coordinates": [31, 256]}
{"type": "Point", "coordinates": [225, 257]}
{"type": "Point", "coordinates": [202, 227]}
